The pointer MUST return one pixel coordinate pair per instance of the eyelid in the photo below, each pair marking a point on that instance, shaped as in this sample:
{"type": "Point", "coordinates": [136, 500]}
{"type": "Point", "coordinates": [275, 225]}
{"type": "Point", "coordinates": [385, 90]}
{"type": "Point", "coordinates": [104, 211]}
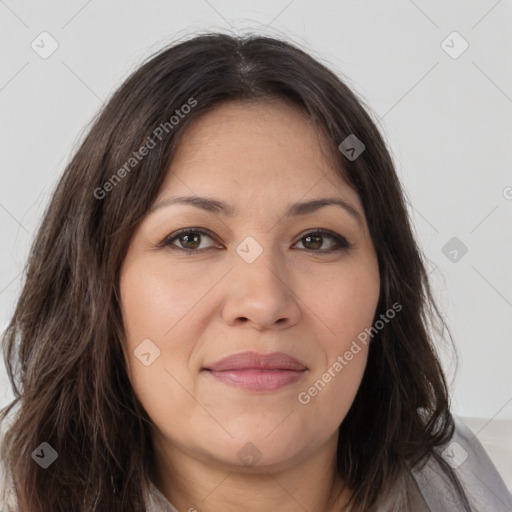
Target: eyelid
{"type": "Point", "coordinates": [341, 243]}
{"type": "Point", "coordinates": [169, 238]}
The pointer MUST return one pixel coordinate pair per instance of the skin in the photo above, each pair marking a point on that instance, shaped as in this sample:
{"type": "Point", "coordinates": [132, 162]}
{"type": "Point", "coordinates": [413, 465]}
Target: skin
{"type": "Point", "coordinates": [259, 158]}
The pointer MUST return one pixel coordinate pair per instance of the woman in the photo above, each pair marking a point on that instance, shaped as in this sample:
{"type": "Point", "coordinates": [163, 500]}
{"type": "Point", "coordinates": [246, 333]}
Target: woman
{"type": "Point", "coordinates": [225, 308]}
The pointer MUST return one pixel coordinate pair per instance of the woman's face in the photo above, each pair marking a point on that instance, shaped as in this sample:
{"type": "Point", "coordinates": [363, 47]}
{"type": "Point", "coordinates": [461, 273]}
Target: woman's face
{"type": "Point", "coordinates": [255, 283]}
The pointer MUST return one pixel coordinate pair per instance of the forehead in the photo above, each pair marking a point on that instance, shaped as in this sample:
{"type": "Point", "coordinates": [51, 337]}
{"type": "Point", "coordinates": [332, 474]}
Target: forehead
{"type": "Point", "coordinates": [256, 126]}
{"type": "Point", "coordinates": [247, 149]}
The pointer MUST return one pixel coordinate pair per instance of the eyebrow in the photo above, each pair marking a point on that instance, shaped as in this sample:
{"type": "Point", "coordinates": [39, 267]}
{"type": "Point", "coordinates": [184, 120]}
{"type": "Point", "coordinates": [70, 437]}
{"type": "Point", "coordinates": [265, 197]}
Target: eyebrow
{"type": "Point", "coordinates": [297, 209]}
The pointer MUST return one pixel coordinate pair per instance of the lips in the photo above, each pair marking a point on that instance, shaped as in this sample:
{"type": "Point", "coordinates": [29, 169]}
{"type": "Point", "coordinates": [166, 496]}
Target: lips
{"type": "Point", "coordinates": [257, 372]}
{"type": "Point", "coordinates": [255, 361]}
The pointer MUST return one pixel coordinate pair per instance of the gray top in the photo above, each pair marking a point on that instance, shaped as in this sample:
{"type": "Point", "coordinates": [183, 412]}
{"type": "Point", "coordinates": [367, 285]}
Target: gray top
{"type": "Point", "coordinates": [426, 490]}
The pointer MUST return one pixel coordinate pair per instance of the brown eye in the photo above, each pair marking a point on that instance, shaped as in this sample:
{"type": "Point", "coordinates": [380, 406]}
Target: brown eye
{"type": "Point", "coordinates": [314, 241]}
{"type": "Point", "coordinates": [187, 240]}
{"type": "Point", "coordinates": [190, 240]}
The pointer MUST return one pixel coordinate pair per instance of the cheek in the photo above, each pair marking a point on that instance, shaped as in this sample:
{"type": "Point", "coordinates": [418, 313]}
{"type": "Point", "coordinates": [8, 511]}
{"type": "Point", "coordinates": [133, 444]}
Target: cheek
{"type": "Point", "coordinates": [345, 303]}
{"type": "Point", "coordinates": [155, 300]}
{"type": "Point", "coordinates": [332, 390]}
{"type": "Point", "coordinates": [154, 306]}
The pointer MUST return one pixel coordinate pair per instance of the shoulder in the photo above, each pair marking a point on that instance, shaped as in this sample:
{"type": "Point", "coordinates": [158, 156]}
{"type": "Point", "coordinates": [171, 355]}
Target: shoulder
{"type": "Point", "coordinates": [8, 500]}
{"type": "Point", "coordinates": [472, 465]}
{"type": "Point", "coordinates": [156, 501]}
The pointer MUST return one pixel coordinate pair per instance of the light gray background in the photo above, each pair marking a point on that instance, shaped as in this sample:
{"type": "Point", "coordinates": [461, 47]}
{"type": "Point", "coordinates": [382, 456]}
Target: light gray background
{"type": "Point", "coordinates": [447, 120]}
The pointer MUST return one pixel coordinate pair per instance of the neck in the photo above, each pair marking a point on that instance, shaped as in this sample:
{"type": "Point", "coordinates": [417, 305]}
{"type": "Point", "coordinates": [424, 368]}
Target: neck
{"type": "Point", "coordinates": [310, 484]}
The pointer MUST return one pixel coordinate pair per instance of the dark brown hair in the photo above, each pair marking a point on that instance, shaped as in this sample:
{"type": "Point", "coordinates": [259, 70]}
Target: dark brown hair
{"type": "Point", "coordinates": [63, 345]}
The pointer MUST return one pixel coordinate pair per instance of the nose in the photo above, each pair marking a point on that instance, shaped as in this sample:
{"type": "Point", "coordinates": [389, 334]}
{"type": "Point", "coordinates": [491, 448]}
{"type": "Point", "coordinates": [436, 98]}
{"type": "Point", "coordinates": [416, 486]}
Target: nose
{"type": "Point", "coordinates": [259, 295]}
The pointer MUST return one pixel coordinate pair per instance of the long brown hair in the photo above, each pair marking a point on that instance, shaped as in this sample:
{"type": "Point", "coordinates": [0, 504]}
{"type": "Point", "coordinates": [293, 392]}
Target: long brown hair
{"type": "Point", "coordinates": [63, 345]}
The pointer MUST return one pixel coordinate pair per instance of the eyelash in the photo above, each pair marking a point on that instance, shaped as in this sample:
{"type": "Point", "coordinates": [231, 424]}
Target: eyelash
{"type": "Point", "coordinates": [341, 243]}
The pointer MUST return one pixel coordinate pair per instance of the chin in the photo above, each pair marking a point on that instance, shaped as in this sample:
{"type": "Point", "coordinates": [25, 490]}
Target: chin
{"type": "Point", "coordinates": [259, 449]}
